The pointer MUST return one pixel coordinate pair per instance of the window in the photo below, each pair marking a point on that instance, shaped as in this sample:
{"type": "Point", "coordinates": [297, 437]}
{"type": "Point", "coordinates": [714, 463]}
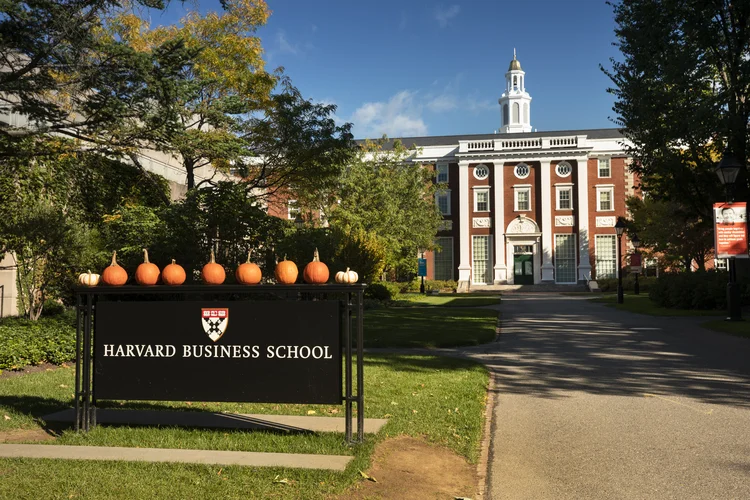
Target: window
{"type": "Point", "coordinates": [605, 169]}
{"type": "Point", "coordinates": [506, 118]}
{"type": "Point", "coordinates": [522, 171]}
{"type": "Point", "coordinates": [565, 258]}
{"type": "Point", "coordinates": [481, 172]}
{"type": "Point", "coordinates": [605, 199]}
{"type": "Point", "coordinates": [564, 197]}
{"type": "Point", "coordinates": [444, 258]}
{"type": "Point", "coordinates": [721, 264]}
{"type": "Point", "coordinates": [523, 199]}
{"type": "Point", "coordinates": [443, 200]}
{"type": "Point", "coordinates": [481, 260]}
{"type": "Point", "coordinates": [481, 200]}
{"type": "Point", "coordinates": [442, 173]}
{"type": "Point", "coordinates": [606, 256]}
{"type": "Point", "coordinates": [563, 169]}
{"type": "Point", "coordinates": [292, 210]}
{"type": "Point", "coordinates": [516, 112]}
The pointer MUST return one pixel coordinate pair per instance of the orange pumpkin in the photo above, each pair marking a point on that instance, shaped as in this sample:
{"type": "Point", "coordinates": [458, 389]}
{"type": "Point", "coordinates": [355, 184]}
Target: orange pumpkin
{"type": "Point", "coordinates": [114, 274]}
{"type": "Point", "coordinates": [315, 272]}
{"type": "Point", "coordinates": [248, 273]}
{"type": "Point", "coordinates": [213, 273]}
{"type": "Point", "coordinates": [147, 272]}
{"type": "Point", "coordinates": [173, 274]}
{"type": "Point", "coordinates": [286, 272]}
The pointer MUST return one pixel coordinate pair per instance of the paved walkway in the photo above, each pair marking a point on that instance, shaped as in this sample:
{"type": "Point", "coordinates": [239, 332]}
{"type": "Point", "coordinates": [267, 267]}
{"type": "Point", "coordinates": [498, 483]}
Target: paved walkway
{"type": "Point", "coordinates": [596, 403]}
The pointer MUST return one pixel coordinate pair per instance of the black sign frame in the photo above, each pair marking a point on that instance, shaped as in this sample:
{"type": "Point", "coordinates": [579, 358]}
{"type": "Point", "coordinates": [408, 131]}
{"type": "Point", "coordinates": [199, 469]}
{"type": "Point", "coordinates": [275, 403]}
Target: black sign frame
{"type": "Point", "coordinates": [350, 300]}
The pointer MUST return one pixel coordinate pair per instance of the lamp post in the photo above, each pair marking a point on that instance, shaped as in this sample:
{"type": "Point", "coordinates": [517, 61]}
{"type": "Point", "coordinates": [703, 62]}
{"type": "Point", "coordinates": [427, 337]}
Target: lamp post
{"type": "Point", "coordinates": [636, 242]}
{"type": "Point", "coordinates": [727, 170]}
{"type": "Point", "coordinates": [619, 229]}
{"type": "Point", "coordinates": [299, 222]}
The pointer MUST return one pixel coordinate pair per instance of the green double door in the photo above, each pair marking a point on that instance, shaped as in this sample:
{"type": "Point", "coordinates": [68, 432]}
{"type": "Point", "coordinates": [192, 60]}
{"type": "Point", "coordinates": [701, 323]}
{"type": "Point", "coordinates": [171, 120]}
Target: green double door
{"type": "Point", "coordinates": [523, 269]}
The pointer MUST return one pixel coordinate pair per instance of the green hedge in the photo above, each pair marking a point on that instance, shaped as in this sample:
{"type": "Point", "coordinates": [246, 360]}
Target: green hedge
{"type": "Point", "coordinates": [628, 284]}
{"type": "Point", "coordinates": [24, 342]}
{"type": "Point", "coordinates": [694, 290]}
{"type": "Point", "coordinates": [439, 285]}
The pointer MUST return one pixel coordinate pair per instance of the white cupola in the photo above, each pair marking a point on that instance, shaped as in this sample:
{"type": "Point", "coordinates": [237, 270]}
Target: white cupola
{"type": "Point", "coordinates": [515, 102]}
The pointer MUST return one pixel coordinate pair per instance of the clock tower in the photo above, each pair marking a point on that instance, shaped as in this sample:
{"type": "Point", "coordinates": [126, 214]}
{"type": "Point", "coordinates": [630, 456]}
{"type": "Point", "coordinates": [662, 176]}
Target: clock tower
{"type": "Point", "coordinates": [515, 102]}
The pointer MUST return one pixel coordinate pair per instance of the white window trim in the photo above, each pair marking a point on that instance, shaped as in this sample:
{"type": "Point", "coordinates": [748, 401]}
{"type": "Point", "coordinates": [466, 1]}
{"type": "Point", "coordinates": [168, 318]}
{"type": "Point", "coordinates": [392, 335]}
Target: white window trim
{"type": "Point", "coordinates": [291, 213]}
{"type": "Point", "coordinates": [598, 170]}
{"type": "Point", "coordinates": [481, 165]}
{"type": "Point", "coordinates": [485, 189]}
{"type": "Point", "coordinates": [516, 189]}
{"type": "Point", "coordinates": [575, 256]}
{"type": "Point", "coordinates": [444, 192]}
{"type": "Point", "coordinates": [606, 188]}
{"type": "Point", "coordinates": [489, 258]}
{"type": "Point", "coordinates": [447, 173]}
{"type": "Point", "coordinates": [515, 170]}
{"type": "Point", "coordinates": [453, 257]}
{"type": "Point", "coordinates": [558, 189]}
{"type": "Point", "coordinates": [557, 169]}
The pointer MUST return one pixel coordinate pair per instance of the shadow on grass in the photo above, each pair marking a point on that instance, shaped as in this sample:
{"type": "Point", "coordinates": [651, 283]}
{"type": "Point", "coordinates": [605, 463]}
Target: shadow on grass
{"type": "Point", "coordinates": [418, 363]}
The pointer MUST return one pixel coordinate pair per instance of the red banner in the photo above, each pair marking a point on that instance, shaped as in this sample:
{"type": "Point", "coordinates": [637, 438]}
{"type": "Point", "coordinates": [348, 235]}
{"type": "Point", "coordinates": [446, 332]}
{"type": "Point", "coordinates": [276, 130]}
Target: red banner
{"type": "Point", "coordinates": [730, 230]}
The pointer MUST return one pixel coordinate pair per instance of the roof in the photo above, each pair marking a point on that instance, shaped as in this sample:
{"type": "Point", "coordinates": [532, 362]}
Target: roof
{"type": "Point", "coordinates": [452, 140]}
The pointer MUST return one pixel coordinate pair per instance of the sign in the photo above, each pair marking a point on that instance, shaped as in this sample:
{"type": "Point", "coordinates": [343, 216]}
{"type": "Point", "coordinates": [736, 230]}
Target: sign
{"type": "Point", "coordinates": [421, 267]}
{"type": "Point", "coordinates": [242, 351]}
{"type": "Point", "coordinates": [635, 263]}
{"type": "Point", "coordinates": [730, 230]}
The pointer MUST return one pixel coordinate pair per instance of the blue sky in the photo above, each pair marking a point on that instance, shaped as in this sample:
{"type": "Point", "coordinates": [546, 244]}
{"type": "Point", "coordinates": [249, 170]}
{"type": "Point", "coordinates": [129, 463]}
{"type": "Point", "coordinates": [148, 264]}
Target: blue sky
{"type": "Point", "coordinates": [414, 67]}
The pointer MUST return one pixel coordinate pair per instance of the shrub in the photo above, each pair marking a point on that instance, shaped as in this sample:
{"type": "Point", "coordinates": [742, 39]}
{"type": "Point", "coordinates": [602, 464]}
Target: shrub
{"type": "Point", "coordinates": [628, 283]}
{"type": "Point", "coordinates": [693, 290]}
{"type": "Point", "coordinates": [383, 290]}
{"type": "Point", "coordinates": [24, 342]}
{"type": "Point", "coordinates": [440, 285]}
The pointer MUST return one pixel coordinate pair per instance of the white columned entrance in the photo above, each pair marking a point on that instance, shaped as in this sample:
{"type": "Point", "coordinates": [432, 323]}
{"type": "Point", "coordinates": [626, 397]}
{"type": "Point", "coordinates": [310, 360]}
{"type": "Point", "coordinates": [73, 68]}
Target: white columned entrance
{"type": "Point", "coordinates": [548, 270]}
{"type": "Point", "coordinates": [500, 269]}
{"type": "Point", "coordinates": [584, 264]}
{"type": "Point", "coordinates": [464, 265]}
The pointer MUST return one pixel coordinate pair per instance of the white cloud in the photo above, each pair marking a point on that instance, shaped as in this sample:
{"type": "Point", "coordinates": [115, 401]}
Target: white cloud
{"type": "Point", "coordinates": [284, 45]}
{"type": "Point", "coordinates": [441, 103]}
{"type": "Point", "coordinates": [400, 116]}
{"type": "Point", "coordinates": [443, 15]}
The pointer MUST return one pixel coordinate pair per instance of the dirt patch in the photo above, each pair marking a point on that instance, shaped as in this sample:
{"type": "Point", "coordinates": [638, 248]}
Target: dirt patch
{"type": "Point", "coordinates": [25, 435]}
{"type": "Point", "coordinates": [409, 468]}
{"type": "Point", "coordinates": [31, 369]}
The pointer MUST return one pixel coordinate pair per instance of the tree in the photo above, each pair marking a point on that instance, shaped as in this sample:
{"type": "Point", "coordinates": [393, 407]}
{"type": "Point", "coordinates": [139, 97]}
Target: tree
{"type": "Point", "coordinates": [670, 234]}
{"type": "Point", "coordinates": [681, 90]}
{"type": "Point", "coordinates": [385, 196]}
{"type": "Point", "coordinates": [62, 76]}
{"type": "Point", "coordinates": [231, 113]}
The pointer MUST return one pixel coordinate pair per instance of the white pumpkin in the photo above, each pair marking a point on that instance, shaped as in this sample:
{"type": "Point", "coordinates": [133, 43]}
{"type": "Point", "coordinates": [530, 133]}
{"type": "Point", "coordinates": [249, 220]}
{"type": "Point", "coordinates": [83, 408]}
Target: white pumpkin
{"type": "Point", "coordinates": [346, 276]}
{"type": "Point", "coordinates": [88, 279]}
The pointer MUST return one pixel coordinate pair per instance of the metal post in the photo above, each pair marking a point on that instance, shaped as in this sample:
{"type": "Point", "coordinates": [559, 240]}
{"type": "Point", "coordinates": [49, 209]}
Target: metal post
{"type": "Point", "coordinates": [733, 293]}
{"type": "Point", "coordinates": [348, 414]}
{"type": "Point", "coordinates": [77, 425]}
{"type": "Point", "coordinates": [421, 287]}
{"type": "Point", "coordinates": [360, 368]}
{"type": "Point", "coordinates": [620, 297]}
{"type": "Point", "coordinates": [636, 287]}
{"type": "Point", "coordinates": [86, 389]}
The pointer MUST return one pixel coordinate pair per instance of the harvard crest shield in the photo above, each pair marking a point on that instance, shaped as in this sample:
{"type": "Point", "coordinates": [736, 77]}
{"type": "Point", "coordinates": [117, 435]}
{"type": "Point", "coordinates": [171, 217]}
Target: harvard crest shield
{"type": "Point", "coordinates": [215, 321]}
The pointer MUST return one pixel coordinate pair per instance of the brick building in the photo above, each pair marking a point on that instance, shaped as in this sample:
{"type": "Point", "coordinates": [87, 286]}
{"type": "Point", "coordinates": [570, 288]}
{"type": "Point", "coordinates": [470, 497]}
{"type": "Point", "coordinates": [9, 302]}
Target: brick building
{"type": "Point", "coordinates": [526, 207]}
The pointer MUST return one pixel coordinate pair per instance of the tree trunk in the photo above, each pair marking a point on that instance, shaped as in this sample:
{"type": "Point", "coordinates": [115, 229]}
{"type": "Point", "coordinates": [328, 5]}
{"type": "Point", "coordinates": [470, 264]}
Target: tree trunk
{"type": "Point", "coordinates": [190, 169]}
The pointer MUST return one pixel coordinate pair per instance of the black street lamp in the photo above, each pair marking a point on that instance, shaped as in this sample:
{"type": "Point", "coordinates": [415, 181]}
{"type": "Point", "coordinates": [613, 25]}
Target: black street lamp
{"type": "Point", "coordinates": [636, 242]}
{"type": "Point", "coordinates": [619, 229]}
{"type": "Point", "coordinates": [299, 222]}
{"type": "Point", "coordinates": [727, 170]}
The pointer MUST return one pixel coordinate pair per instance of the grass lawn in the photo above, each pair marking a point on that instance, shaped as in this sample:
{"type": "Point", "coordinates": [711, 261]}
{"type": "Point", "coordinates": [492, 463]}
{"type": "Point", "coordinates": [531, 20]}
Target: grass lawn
{"type": "Point", "coordinates": [447, 300]}
{"type": "Point", "coordinates": [429, 326]}
{"type": "Point", "coordinates": [641, 304]}
{"type": "Point", "coordinates": [739, 328]}
{"type": "Point", "coordinates": [440, 399]}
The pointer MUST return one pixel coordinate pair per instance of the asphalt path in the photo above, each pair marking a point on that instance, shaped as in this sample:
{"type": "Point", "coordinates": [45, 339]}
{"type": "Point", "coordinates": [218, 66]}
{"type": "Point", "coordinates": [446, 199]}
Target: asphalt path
{"type": "Point", "coordinates": [601, 404]}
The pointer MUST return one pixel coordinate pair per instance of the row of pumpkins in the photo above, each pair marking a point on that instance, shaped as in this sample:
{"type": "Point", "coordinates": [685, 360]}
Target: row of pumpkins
{"type": "Point", "coordinates": [147, 273]}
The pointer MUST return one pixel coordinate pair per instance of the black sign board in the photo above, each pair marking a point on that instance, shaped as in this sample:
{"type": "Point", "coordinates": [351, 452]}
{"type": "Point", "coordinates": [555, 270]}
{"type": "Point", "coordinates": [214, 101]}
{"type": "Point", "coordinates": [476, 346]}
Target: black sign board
{"type": "Point", "coordinates": [242, 351]}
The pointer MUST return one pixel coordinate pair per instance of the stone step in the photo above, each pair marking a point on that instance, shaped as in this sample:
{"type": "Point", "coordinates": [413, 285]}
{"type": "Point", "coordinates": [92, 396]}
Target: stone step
{"type": "Point", "coordinates": [206, 419]}
{"type": "Point", "coordinates": [244, 458]}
